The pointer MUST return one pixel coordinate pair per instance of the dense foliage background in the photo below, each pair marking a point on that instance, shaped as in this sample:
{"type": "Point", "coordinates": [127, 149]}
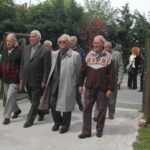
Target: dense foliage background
{"type": "Point", "coordinates": [54, 17]}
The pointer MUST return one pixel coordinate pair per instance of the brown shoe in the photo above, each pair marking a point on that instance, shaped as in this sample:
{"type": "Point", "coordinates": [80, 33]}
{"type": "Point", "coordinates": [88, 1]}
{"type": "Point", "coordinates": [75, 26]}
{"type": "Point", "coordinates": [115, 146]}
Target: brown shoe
{"type": "Point", "coordinates": [111, 117]}
{"type": "Point", "coordinates": [95, 119]}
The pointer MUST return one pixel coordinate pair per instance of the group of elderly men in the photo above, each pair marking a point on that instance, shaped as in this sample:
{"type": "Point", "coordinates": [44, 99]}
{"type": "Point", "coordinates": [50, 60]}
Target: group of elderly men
{"type": "Point", "coordinates": [55, 79]}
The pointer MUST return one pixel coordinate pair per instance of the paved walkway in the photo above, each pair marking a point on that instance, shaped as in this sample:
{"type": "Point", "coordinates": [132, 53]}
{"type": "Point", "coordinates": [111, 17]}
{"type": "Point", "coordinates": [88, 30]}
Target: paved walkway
{"type": "Point", "coordinates": [119, 134]}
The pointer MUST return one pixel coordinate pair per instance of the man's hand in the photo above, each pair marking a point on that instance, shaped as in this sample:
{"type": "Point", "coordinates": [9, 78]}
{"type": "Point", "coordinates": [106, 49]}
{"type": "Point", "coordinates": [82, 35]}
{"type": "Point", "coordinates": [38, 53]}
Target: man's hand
{"type": "Point", "coordinates": [119, 82]}
{"type": "Point", "coordinates": [21, 86]}
{"type": "Point", "coordinates": [43, 85]}
{"type": "Point", "coordinates": [108, 93]}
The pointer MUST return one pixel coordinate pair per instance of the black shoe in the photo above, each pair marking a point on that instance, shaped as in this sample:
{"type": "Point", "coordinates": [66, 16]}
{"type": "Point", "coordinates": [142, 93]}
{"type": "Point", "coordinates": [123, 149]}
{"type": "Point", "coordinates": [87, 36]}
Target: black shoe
{"type": "Point", "coordinates": [99, 134]}
{"type": "Point", "coordinates": [83, 136]}
{"type": "Point", "coordinates": [80, 107]}
{"type": "Point", "coordinates": [27, 124]}
{"type": "Point", "coordinates": [55, 127]}
{"type": "Point", "coordinates": [15, 115]}
{"type": "Point", "coordinates": [6, 121]}
{"type": "Point", "coordinates": [41, 117]}
{"type": "Point", "coordinates": [63, 130]}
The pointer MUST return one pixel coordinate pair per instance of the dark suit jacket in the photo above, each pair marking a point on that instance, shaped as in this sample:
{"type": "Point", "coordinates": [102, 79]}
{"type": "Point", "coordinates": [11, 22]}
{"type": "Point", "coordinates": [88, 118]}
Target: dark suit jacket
{"type": "Point", "coordinates": [34, 71]}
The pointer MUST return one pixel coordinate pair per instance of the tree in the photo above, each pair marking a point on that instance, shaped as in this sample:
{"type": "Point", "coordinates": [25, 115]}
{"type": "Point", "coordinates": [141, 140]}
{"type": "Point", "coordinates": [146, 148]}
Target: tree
{"type": "Point", "coordinates": [7, 17]}
{"type": "Point", "coordinates": [140, 29]}
{"type": "Point", "coordinates": [101, 9]}
{"type": "Point", "coordinates": [97, 27]}
{"type": "Point", "coordinates": [124, 36]}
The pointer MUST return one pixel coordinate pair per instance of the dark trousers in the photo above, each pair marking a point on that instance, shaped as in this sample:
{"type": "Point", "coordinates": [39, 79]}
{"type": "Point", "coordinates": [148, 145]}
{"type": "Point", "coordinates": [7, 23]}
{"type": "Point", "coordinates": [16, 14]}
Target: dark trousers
{"type": "Point", "coordinates": [141, 82]}
{"type": "Point", "coordinates": [35, 94]}
{"type": "Point", "coordinates": [132, 80]}
{"type": "Point", "coordinates": [61, 119]}
{"type": "Point", "coordinates": [78, 99]}
{"type": "Point", "coordinates": [90, 97]}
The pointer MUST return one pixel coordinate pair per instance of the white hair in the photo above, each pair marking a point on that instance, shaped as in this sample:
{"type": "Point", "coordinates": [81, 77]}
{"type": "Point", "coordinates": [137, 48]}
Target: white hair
{"type": "Point", "coordinates": [49, 42]}
{"type": "Point", "coordinates": [74, 38]}
{"type": "Point", "coordinates": [12, 36]}
{"type": "Point", "coordinates": [37, 33]}
{"type": "Point", "coordinates": [108, 43]}
{"type": "Point", "coordinates": [101, 38]}
{"type": "Point", "coordinates": [65, 36]}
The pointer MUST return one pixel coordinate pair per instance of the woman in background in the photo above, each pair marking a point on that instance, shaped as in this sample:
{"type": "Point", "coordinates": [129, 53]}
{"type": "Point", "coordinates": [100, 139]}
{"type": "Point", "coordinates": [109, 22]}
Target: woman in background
{"type": "Point", "coordinates": [134, 61]}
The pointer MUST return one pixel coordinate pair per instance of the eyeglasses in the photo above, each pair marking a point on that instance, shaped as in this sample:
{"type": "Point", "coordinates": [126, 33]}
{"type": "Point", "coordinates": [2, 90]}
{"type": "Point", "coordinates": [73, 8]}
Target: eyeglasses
{"type": "Point", "coordinates": [62, 42]}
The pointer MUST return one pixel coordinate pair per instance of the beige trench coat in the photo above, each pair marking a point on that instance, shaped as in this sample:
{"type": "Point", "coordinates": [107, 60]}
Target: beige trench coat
{"type": "Point", "coordinates": [69, 73]}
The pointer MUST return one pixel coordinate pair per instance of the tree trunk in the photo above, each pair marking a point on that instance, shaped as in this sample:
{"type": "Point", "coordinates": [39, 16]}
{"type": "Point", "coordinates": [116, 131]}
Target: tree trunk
{"type": "Point", "coordinates": [147, 84]}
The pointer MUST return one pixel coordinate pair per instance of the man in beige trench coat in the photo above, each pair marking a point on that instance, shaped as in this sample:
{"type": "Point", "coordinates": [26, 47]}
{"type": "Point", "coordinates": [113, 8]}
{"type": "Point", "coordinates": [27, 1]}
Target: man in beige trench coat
{"type": "Point", "coordinates": [60, 92]}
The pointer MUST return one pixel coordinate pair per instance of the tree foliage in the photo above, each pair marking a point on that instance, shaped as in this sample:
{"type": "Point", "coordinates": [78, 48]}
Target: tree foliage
{"type": "Point", "coordinates": [97, 27]}
{"type": "Point", "coordinates": [54, 17]}
{"type": "Point", "coordinates": [101, 9]}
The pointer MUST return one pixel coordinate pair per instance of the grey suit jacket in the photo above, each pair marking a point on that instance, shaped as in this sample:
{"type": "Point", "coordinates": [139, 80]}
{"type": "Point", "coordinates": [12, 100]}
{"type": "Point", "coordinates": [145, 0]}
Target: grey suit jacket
{"type": "Point", "coordinates": [34, 71]}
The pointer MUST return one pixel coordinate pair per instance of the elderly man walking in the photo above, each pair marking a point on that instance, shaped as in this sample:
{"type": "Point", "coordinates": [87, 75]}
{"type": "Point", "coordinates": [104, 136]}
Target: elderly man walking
{"type": "Point", "coordinates": [119, 70]}
{"type": "Point", "coordinates": [9, 74]}
{"type": "Point", "coordinates": [61, 87]}
{"type": "Point", "coordinates": [34, 73]}
{"type": "Point", "coordinates": [99, 74]}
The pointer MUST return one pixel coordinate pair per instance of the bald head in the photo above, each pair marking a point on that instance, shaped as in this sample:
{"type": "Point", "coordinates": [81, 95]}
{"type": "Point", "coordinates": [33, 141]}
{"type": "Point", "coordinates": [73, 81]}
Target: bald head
{"type": "Point", "coordinates": [73, 42]}
{"type": "Point", "coordinates": [98, 43]}
{"type": "Point", "coordinates": [48, 44]}
{"type": "Point", "coordinates": [108, 46]}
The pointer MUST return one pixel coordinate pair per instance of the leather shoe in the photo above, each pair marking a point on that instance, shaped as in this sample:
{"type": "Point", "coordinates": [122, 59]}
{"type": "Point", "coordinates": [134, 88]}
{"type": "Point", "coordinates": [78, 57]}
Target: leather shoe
{"type": "Point", "coordinates": [15, 115]}
{"type": "Point", "coordinates": [111, 117]}
{"type": "Point", "coordinates": [55, 127]}
{"type": "Point", "coordinates": [27, 124]}
{"type": "Point", "coordinates": [99, 134]}
{"type": "Point", "coordinates": [63, 130]}
{"type": "Point", "coordinates": [6, 121]}
{"type": "Point", "coordinates": [83, 136]}
{"type": "Point", "coordinates": [41, 117]}
{"type": "Point", "coordinates": [95, 119]}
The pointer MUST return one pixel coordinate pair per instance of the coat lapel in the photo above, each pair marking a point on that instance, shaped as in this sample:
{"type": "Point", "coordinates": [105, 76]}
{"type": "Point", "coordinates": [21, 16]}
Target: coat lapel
{"type": "Point", "coordinates": [28, 53]}
{"type": "Point", "coordinates": [38, 51]}
{"type": "Point", "coordinates": [54, 59]}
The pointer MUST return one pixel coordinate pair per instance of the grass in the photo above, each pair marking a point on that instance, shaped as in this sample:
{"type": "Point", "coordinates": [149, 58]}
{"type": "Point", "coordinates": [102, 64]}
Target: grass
{"type": "Point", "coordinates": [143, 140]}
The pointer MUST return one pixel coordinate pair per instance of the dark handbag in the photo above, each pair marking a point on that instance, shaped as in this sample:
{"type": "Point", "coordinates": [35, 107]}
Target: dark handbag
{"type": "Point", "coordinates": [131, 70]}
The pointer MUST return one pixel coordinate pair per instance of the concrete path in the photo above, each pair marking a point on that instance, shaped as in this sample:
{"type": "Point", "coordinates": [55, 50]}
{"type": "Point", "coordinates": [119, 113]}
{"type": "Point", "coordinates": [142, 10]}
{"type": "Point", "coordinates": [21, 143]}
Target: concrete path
{"type": "Point", "coordinates": [119, 134]}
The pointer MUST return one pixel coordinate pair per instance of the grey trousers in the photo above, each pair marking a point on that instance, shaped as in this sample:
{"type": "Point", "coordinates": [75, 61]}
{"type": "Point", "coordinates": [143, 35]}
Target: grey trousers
{"type": "Point", "coordinates": [112, 102]}
{"type": "Point", "coordinates": [10, 91]}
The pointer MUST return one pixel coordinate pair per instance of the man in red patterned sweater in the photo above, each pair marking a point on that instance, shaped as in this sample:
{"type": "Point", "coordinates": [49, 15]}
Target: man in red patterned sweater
{"type": "Point", "coordinates": [99, 74]}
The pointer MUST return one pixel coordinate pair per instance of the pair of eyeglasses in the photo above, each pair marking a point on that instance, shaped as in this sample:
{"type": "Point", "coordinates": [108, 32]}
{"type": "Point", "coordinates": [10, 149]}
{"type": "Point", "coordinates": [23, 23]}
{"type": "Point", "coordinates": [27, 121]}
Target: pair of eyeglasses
{"type": "Point", "coordinates": [62, 42]}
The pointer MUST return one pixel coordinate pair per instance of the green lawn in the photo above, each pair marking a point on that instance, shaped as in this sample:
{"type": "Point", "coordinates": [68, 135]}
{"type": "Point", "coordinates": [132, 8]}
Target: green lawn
{"type": "Point", "coordinates": [143, 140]}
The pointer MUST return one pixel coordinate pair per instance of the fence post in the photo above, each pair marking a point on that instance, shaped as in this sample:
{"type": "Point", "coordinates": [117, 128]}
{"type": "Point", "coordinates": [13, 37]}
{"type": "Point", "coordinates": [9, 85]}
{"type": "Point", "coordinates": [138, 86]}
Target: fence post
{"type": "Point", "coordinates": [147, 84]}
